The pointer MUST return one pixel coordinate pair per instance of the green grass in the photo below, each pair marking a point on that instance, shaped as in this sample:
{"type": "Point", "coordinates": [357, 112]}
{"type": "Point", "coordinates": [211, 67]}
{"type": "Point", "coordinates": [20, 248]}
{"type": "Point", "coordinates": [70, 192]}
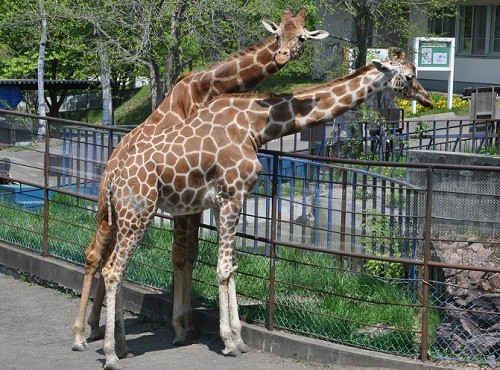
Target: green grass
{"type": "Point", "coordinates": [313, 295]}
{"type": "Point", "coordinates": [135, 110]}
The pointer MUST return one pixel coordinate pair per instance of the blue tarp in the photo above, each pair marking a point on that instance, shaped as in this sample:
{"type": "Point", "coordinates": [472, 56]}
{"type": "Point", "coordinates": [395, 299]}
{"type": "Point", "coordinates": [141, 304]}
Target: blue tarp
{"type": "Point", "coordinates": [10, 97]}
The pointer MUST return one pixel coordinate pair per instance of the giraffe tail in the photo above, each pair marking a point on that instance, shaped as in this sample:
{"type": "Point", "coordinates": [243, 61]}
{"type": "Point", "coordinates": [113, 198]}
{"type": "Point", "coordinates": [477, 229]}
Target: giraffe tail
{"type": "Point", "coordinates": [109, 190]}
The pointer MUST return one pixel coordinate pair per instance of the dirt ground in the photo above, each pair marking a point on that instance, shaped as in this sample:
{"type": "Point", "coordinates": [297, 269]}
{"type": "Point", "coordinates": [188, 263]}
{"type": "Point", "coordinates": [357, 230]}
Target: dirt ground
{"type": "Point", "coordinates": [35, 333]}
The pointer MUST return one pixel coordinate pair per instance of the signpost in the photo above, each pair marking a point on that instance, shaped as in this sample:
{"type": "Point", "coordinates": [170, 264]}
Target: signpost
{"type": "Point", "coordinates": [436, 54]}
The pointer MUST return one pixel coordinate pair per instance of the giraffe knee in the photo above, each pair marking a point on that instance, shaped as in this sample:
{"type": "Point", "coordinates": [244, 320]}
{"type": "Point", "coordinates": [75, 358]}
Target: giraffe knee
{"type": "Point", "coordinates": [223, 274]}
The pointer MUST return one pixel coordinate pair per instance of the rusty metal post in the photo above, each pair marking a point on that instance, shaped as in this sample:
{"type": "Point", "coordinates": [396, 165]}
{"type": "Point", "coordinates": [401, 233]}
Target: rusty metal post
{"type": "Point", "coordinates": [343, 216]}
{"type": "Point", "coordinates": [46, 164]}
{"type": "Point", "coordinates": [110, 142]}
{"type": "Point", "coordinates": [427, 256]}
{"type": "Point", "coordinates": [272, 252]}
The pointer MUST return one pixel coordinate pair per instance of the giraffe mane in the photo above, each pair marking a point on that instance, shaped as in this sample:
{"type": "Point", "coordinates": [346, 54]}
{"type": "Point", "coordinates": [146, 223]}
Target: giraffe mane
{"type": "Point", "coordinates": [248, 95]}
{"type": "Point", "coordinates": [246, 51]}
{"type": "Point", "coordinates": [231, 57]}
{"type": "Point", "coordinates": [183, 76]}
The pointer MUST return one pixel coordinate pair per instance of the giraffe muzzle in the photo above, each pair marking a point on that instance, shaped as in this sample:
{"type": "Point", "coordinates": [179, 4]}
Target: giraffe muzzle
{"type": "Point", "coordinates": [282, 57]}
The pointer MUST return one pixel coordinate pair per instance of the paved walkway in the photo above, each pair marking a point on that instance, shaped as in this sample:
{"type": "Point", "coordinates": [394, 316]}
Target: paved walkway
{"type": "Point", "coordinates": [35, 333]}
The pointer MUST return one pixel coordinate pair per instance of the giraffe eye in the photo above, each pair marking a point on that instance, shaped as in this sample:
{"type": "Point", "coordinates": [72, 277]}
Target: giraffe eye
{"type": "Point", "coordinates": [409, 77]}
{"type": "Point", "coordinates": [302, 38]}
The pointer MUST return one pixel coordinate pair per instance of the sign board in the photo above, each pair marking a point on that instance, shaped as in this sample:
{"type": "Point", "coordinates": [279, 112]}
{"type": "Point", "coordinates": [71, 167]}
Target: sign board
{"type": "Point", "coordinates": [436, 54]}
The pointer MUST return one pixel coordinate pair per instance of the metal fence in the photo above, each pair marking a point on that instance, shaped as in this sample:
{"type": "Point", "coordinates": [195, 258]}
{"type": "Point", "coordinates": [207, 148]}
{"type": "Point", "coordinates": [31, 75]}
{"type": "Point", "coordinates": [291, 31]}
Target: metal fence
{"type": "Point", "coordinates": [394, 257]}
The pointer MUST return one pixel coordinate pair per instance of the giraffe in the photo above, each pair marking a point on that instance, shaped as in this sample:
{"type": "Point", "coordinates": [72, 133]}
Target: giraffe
{"type": "Point", "coordinates": [210, 161]}
{"type": "Point", "coordinates": [243, 71]}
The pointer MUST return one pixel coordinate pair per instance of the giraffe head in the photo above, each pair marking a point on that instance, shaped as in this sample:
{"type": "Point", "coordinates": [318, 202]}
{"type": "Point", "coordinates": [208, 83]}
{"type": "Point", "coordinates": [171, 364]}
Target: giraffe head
{"type": "Point", "coordinates": [404, 84]}
{"type": "Point", "coordinates": [291, 34]}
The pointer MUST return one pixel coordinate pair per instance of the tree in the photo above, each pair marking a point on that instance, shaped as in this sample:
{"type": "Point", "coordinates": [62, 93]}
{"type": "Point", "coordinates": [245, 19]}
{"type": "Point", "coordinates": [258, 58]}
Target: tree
{"type": "Point", "coordinates": [66, 52]}
{"type": "Point", "coordinates": [167, 38]}
{"type": "Point", "coordinates": [41, 61]}
{"type": "Point", "coordinates": [382, 23]}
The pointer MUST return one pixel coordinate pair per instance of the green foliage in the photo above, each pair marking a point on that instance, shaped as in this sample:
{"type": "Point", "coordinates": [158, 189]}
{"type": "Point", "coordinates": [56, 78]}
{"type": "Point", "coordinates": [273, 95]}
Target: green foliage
{"type": "Point", "coordinates": [421, 129]}
{"type": "Point", "coordinates": [378, 242]}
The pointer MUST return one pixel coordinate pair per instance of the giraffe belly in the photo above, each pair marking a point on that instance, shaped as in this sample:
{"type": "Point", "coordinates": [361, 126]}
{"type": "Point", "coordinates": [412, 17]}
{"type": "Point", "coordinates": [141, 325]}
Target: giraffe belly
{"type": "Point", "coordinates": [186, 202]}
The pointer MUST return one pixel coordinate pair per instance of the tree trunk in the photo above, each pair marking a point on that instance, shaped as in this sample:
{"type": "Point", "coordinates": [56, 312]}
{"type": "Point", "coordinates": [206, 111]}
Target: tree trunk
{"type": "Point", "coordinates": [42, 124]}
{"type": "Point", "coordinates": [364, 25]}
{"type": "Point", "coordinates": [156, 85]}
{"type": "Point", "coordinates": [107, 100]}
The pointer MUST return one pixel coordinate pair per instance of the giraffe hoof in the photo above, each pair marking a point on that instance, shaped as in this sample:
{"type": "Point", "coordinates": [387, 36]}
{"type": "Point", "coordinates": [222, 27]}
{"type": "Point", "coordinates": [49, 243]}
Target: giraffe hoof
{"type": "Point", "coordinates": [126, 355]}
{"type": "Point", "coordinates": [80, 347]}
{"type": "Point", "coordinates": [192, 334]}
{"type": "Point", "coordinates": [231, 352]}
{"type": "Point", "coordinates": [181, 339]}
{"type": "Point", "coordinates": [181, 342]}
{"type": "Point", "coordinates": [243, 347]}
{"type": "Point", "coordinates": [115, 365]}
{"type": "Point", "coordinates": [95, 336]}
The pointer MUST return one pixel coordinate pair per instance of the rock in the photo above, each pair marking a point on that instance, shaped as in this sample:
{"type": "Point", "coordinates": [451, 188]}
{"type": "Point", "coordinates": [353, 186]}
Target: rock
{"type": "Point", "coordinates": [472, 312]}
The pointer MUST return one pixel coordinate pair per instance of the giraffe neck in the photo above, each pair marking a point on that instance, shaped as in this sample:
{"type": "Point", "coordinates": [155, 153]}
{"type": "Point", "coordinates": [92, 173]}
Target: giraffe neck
{"type": "Point", "coordinates": [289, 114]}
{"type": "Point", "coordinates": [241, 72]}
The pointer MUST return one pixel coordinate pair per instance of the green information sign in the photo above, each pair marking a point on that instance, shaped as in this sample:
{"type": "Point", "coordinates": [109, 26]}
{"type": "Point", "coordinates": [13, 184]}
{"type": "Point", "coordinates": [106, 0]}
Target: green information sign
{"type": "Point", "coordinates": [434, 54]}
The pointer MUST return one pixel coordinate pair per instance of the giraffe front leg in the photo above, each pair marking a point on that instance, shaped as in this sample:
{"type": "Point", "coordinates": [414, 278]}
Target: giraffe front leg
{"type": "Point", "coordinates": [234, 316]}
{"type": "Point", "coordinates": [230, 326]}
{"type": "Point", "coordinates": [226, 333]}
{"type": "Point", "coordinates": [226, 267]}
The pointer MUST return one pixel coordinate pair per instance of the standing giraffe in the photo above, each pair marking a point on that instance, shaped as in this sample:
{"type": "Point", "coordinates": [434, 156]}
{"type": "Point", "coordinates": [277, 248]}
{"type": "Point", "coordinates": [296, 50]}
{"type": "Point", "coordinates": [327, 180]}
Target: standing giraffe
{"type": "Point", "coordinates": [210, 161]}
{"type": "Point", "coordinates": [240, 73]}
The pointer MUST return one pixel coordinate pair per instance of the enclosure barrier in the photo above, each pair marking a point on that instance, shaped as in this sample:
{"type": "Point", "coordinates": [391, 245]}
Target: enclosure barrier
{"type": "Point", "coordinates": [392, 257]}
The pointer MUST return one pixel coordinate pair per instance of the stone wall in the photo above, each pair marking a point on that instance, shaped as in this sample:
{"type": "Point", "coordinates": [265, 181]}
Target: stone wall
{"type": "Point", "coordinates": [464, 203]}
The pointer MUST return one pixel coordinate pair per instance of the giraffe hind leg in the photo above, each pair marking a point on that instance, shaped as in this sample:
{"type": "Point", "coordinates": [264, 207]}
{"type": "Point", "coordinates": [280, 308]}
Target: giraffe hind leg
{"type": "Point", "coordinates": [93, 256]}
{"type": "Point", "coordinates": [95, 314]}
{"type": "Point", "coordinates": [183, 257]}
{"type": "Point", "coordinates": [130, 230]}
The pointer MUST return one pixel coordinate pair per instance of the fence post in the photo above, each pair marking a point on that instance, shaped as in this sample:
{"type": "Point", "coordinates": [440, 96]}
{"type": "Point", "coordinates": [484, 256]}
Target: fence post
{"type": "Point", "coordinates": [343, 216]}
{"type": "Point", "coordinates": [272, 252]}
{"type": "Point", "coordinates": [46, 164]}
{"type": "Point", "coordinates": [427, 255]}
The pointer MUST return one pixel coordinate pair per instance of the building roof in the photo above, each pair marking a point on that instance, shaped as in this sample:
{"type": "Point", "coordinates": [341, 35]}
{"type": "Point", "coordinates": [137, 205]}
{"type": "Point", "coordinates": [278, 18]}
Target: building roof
{"type": "Point", "coordinates": [32, 84]}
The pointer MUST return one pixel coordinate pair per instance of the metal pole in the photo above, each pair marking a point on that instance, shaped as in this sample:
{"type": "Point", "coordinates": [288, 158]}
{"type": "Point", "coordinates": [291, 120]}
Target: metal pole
{"type": "Point", "coordinates": [427, 255]}
{"type": "Point", "coordinates": [46, 163]}
{"type": "Point", "coordinates": [272, 252]}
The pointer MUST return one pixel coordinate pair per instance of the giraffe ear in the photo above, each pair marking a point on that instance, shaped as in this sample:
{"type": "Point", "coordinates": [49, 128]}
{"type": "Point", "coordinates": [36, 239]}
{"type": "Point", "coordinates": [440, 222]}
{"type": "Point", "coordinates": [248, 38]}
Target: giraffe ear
{"type": "Point", "coordinates": [384, 67]}
{"type": "Point", "coordinates": [377, 63]}
{"type": "Point", "coordinates": [318, 34]}
{"type": "Point", "coordinates": [270, 26]}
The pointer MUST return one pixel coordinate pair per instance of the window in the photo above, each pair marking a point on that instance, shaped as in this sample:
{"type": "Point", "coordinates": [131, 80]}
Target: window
{"type": "Point", "coordinates": [444, 24]}
{"type": "Point", "coordinates": [495, 31]}
{"type": "Point", "coordinates": [479, 29]}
